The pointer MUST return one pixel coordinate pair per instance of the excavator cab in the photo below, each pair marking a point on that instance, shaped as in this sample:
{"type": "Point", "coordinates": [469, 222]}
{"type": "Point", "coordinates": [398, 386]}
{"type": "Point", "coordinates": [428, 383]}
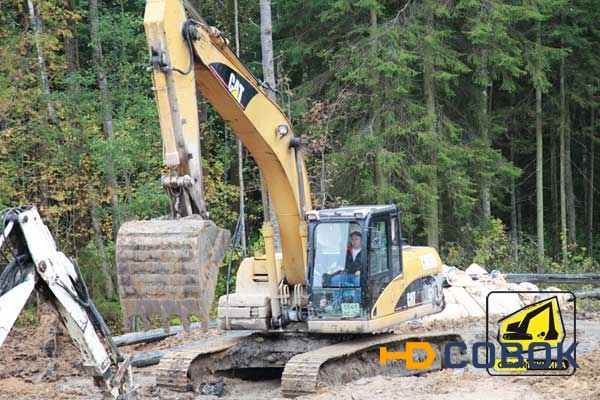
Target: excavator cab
{"type": "Point", "coordinates": [353, 254]}
{"type": "Point", "coordinates": [355, 270]}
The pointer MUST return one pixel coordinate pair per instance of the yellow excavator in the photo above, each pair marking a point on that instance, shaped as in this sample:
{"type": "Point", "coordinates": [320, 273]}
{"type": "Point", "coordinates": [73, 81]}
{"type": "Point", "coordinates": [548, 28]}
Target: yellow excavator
{"type": "Point", "coordinates": [342, 275]}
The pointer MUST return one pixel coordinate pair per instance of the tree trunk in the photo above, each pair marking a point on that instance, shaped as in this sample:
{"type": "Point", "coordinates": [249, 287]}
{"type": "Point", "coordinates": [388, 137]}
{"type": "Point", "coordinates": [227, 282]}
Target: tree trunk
{"type": "Point", "coordinates": [433, 231]}
{"type": "Point", "coordinates": [107, 117]}
{"type": "Point", "coordinates": [539, 168]}
{"type": "Point", "coordinates": [563, 201]}
{"type": "Point", "coordinates": [555, 228]}
{"type": "Point", "coordinates": [484, 129]}
{"type": "Point", "coordinates": [266, 40]}
{"type": "Point", "coordinates": [514, 222]}
{"type": "Point", "coordinates": [70, 41]}
{"type": "Point", "coordinates": [485, 111]}
{"type": "Point", "coordinates": [45, 83]}
{"type": "Point", "coordinates": [571, 216]}
{"type": "Point", "coordinates": [590, 194]}
{"type": "Point", "coordinates": [323, 181]}
{"type": "Point", "coordinates": [128, 193]}
{"type": "Point", "coordinates": [236, 26]}
{"type": "Point", "coordinates": [568, 182]}
{"type": "Point", "coordinates": [37, 30]}
{"type": "Point", "coordinates": [268, 66]}
{"type": "Point", "coordinates": [376, 126]}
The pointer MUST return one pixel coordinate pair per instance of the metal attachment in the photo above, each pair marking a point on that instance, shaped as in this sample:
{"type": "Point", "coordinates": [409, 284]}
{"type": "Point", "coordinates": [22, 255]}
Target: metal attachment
{"type": "Point", "coordinates": [177, 181]}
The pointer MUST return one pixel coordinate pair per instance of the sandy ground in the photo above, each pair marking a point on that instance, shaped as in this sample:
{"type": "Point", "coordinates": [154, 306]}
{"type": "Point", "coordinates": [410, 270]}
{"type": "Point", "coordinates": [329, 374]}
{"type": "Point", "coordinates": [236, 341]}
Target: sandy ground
{"type": "Point", "coordinates": [28, 372]}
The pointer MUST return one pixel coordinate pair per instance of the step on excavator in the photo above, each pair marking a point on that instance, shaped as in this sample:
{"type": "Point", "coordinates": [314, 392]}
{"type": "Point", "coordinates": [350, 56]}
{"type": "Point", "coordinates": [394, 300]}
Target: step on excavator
{"type": "Point", "coordinates": [342, 275]}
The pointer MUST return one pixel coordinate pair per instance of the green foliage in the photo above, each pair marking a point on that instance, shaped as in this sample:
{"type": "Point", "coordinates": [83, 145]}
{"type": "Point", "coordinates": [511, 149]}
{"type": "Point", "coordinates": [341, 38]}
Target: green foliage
{"type": "Point", "coordinates": [577, 262]}
{"type": "Point", "coordinates": [111, 313]}
{"type": "Point", "coordinates": [589, 305]}
{"type": "Point", "coordinates": [352, 77]}
{"type": "Point", "coordinates": [90, 261]}
{"type": "Point", "coordinates": [490, 246]}
{"type": "Point", "coordinates": [28, 317]}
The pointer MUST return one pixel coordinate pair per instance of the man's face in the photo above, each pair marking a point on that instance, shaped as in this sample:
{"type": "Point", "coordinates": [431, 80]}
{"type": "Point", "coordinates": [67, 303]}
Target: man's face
{"type": "Point", "coordinates": [356, 241]}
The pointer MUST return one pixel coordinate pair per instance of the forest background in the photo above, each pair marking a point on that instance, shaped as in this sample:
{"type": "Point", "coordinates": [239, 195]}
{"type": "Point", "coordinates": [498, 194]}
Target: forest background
{"type": "Point", "coordinates": [477, 117]}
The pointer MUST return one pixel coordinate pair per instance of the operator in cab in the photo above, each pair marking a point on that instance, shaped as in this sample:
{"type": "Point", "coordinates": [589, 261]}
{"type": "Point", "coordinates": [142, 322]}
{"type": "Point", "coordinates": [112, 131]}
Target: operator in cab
{"type": "Point", "coordinates": [353, 254]}
{"type": "Point", "coordinates": [351, 273]}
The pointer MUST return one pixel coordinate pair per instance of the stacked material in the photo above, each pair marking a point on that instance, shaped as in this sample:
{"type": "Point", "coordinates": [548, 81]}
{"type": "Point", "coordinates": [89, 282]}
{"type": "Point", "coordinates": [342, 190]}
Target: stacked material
{"type": "Point", "coordinates": [467, 294]}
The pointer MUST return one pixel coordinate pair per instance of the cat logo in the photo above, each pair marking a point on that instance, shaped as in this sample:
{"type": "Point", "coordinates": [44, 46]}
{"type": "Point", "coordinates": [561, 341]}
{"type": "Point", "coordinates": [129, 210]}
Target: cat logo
{"type": "Point", "coordinates": [236, 88]}
{"type": "Point", "coordinates": [239, 88]}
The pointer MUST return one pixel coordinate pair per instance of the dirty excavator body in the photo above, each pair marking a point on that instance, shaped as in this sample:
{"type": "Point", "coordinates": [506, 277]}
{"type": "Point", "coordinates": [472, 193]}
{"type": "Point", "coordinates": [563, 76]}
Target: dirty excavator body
{"type": "Point", "coordinates": [301, 311]}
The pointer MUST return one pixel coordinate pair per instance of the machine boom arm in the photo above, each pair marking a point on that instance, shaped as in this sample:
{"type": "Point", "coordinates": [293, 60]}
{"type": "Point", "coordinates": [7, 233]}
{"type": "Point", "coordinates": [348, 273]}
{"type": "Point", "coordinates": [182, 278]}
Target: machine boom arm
{"type": "Point", "coordinates": [213, 69]}
{"type": "Point", "coordinates": [39, 265]}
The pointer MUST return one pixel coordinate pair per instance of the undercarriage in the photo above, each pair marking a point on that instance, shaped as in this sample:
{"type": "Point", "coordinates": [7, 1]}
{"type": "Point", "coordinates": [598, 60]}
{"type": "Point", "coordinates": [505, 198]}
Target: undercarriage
{"type": "Point", "coordinates": [302, 360]}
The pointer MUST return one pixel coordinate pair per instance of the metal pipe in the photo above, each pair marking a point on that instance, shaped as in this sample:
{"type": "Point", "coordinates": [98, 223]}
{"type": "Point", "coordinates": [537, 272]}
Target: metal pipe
{"type": "Point", "coordinates": [268, 234]}
{"type": "Point", "coordinates": [194, 198]}
{"type": "Point", "coordinates": [555, 278]}
{"type": "Point", "coordinates": [176, 120]}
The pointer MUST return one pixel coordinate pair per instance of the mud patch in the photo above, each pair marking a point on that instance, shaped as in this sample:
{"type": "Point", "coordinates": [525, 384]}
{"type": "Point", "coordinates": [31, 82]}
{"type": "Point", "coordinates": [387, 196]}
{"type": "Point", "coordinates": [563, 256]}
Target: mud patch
{"type": "Point", "coordinates": [37, 362]}
{"type": "Point", "coordinates": [32, 355]}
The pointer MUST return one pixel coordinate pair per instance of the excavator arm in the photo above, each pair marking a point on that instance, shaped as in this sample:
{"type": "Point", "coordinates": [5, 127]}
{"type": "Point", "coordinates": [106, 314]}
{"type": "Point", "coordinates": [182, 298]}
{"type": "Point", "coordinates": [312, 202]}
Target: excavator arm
{"type": "Point", "coordinates": [38, 265]}
{"type": "Point", "coordinates": [170, 267]}
{"type": "Point", "coordinates": [188, 55]}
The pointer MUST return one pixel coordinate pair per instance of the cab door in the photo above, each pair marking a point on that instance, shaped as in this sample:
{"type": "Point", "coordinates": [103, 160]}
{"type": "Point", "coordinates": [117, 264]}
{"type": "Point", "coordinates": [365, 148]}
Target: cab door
{"type": "Point", "coordinates": [378, 266]}
{"type": "Point", "coordinates": [395, 241]}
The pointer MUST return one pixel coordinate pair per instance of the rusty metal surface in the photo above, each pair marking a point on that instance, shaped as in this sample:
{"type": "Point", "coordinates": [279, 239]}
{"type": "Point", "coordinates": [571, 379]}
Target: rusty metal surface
{"type": "Point", "coordinates": [168, 268]}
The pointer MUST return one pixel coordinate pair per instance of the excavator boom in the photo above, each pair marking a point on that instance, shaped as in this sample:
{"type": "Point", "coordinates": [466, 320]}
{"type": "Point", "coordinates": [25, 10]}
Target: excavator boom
{"type": "Point", "coordinates": [170, 267]}
{"type": "Point", "coordinates": [175, 43]}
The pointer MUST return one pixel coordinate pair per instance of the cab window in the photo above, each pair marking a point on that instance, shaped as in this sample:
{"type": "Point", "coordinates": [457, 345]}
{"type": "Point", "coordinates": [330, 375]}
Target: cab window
{"type": "Point", "coordinates": [396, 246]}
{"type": "Point", "coordinates": [379, 273]}
{"type": "Point", "coordinates": [378, 255]}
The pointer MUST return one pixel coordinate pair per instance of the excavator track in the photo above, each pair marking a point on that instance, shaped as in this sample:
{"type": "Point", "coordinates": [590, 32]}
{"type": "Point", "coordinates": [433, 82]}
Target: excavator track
{"type": "Point", "coordinates": [172, 371]}
{"type": "Point", "coordinates": [236, 353]}
{"type": "Point", "coordinates": [342, 362]}
{"type": "Point", "coordinates": [168, 268]}
{"type": "Point", "coordinates": [306, 360]}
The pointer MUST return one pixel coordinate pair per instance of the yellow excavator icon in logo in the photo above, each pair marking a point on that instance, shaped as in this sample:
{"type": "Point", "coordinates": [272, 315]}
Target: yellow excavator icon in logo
{"type": "Point", "coordinates": [535, 323]}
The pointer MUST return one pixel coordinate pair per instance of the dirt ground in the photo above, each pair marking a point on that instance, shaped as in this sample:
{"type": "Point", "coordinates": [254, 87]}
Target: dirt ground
{"type": "Point", "coordinates": [30, 370]}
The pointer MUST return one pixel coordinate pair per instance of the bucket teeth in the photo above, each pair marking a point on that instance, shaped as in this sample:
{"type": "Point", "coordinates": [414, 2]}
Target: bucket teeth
{"type": "Point", "coordinates": [167, 269]}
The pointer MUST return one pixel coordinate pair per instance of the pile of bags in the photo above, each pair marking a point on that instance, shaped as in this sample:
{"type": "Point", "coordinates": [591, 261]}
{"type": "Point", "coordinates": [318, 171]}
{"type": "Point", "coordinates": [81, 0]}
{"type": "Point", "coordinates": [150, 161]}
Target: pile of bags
{"type": "Point", "coordinates": [467, 294]}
